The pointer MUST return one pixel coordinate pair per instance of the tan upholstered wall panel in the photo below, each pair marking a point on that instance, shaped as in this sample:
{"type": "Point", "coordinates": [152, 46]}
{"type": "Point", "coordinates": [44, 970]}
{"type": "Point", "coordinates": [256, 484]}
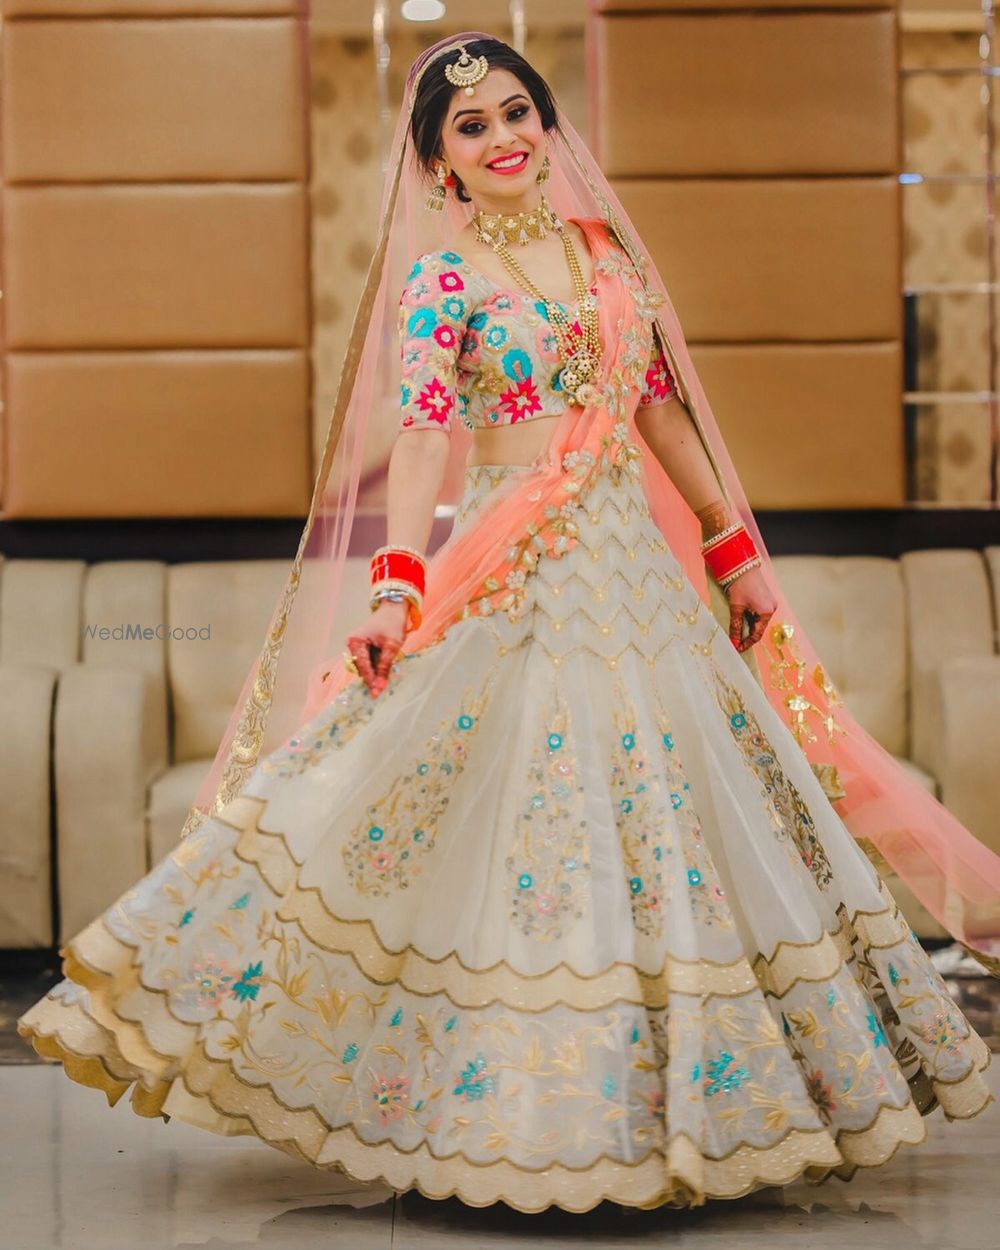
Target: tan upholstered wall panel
{"type": "Point", "coordinates": [809, 425]}
{"type": "Point", "coordinates": [156, 266]}
{"type": "Point", "coordinates": [148, 8]}
{"type": "Point", "coordinates": [757, 152]}
{"type": "Point", "coordinates": [656, 6]}
{"type": "Point", "coordinates": [774, 258]}
{"type": "Point", "coordinates": [747, 93]}
{"type": "Point", "coordinates": [156, 254]}
{"type": "Point", "coordinates": [183, 433]}
{"type": "Point", "coordinates": [236, 117]}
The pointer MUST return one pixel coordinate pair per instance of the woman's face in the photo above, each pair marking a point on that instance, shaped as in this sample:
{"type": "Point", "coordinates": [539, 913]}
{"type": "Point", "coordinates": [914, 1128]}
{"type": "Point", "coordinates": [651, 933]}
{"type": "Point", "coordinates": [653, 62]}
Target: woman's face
{"type": "Point", "coordinates": [482, 132]}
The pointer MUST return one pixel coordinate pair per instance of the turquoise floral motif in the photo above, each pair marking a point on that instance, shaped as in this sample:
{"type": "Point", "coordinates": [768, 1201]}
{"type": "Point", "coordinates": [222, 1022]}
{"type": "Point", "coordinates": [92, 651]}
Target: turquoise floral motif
{"type": "Point", "coordinates": [472, 1084]}
{"type": "Point", "coordinates": [496, 337]}
{"type": "Point", "coordinates": [332, 729]}
{"type": "Point", "coordinates": [397, 1016]}
{"type": "Point", "coordinates": [790, 817]}
{"type": "Point", "coordinates": [186, 918]}
{"type": "Point", "coordinates": [208, 982]}
{"type": "Point", "coordinates": [350, 1052]}
{"type": "Point", "coordinates": [548, 866]}
{"type": "Point", "coordinates": [248, 986]}
{"type": "Point", "coordinates": [723, 1077]}
{"type": "Point", "coordinates": [240, 903]}
{"type": "Point", "coordinates": [706, 895]}
{"type": "Point", "coordinates": [385, 850]}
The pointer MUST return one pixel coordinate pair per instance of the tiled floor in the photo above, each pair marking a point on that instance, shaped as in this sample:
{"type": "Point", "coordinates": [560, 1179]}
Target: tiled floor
{"type": "Point", "coordinates": [78, 1175]}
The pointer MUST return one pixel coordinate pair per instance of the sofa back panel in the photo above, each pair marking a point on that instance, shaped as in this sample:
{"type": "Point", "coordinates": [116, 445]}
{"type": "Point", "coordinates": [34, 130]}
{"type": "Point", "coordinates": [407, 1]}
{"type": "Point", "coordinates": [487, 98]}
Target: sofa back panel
{"type": "Point", "coordinates": [40, 611]}
{"type": "Point", "coordinates": [950, 614]}
{"type": "Point", "coordinates": [992, 557]}
{"type": "Point", "coordinates": [212, 100]}
{"type": "Point", "coordinates": [126, 597]}
{"type": "Point", "coordinates": [234, 601]}
{"type": "Point", "coordinates": [854, 610]}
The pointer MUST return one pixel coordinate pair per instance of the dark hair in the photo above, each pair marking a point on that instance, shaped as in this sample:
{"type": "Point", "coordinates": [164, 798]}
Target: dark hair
{"type": "Point", "coordinates": [434, 95]}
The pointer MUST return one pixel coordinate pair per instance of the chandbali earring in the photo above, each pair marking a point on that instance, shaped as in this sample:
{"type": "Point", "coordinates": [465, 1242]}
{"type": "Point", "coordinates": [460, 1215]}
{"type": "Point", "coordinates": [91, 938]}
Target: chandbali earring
{"type": "Point", "coordinates": [543, 173]}
{"type": "Point", "coordinates": [436, 199]}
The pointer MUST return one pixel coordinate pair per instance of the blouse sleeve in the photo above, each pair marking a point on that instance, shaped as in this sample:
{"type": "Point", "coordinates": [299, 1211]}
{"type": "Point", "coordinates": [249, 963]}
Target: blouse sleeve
{"type": "Point", "coordinates": [433, 312]}
{"type": "Point", "coordinates": [659, 386]}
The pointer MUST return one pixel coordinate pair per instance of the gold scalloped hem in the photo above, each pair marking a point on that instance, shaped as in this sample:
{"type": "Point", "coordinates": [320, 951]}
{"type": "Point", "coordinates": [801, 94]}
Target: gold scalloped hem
{"type": "Point", "coordinates": [790, 963]}
{"type": "Point", "coordinates": [206, 1092]}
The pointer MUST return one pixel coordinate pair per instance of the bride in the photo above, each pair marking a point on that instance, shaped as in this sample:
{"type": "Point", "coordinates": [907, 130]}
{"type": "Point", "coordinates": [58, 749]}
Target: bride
{"type": "Point", "coordinates": [546, 892]}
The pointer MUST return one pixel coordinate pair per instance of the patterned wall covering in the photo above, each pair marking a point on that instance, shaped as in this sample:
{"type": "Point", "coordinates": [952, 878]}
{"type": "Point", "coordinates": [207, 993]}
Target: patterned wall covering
{"type": "Point", "coordinates": [946, 245]}
{"type": "Point", "coordinates": [347, 181]}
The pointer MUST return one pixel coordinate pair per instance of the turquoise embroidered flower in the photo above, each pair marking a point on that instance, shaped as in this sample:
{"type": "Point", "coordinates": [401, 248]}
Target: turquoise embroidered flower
{"type": "Point", "coordinates": [668, 742]}
{"type": "Point", "coordinates": [422, 322]}
{"type": "Point", "coordinates": [675, 800]}
{"type": "Point", "coordinates": [417, 268]}
{"type": "Point", "coordinates": [465, 722]}
{"type": "Point", "coordinates": [350, 1052]}
{"type": "Point", "coordinates": [721, 1077]}
{"type": "Point", "coordinates": [405, 394]}
{"type": "Point", "coordinates": [240, 903]}
{"type": "Point", "coordinates": [626, 805]}
{"type": "Point", "coordinates": [496, 336]}
{"type": "Point", "coordinates": [517, 366]}
{"type": "Point", "coordinates": [694, 876]}
{"type": "Point", "coordinates": [537, 800]}
{"type": "Point", "coordinates": [452, 258]}
{"type": "Point", "coordinates": [628, 741]}
{"type": "Point", "coordinates": [186, 918]}
{"type": "Point", "coordinates": [375, 834]}
{"type": "Point", "coordinates": [524, 880]}
{"type": "Point", "coordinates": [248, 985]}
{"type": "Point", "coordinates": [450, 1024]}
{"type": "Point", "coordinates": [635, 884]}
{"type": "Point", "coordinates": [737, 720]}
{"type": "Point", "coordinates": [472, 1085]}
{"type": "Point", "coordinates": [876, 1030]}
{"type": "Point", "coordinates": [609, 1087]}
{"type": "Point", "coordinates": [397, 1015]}
{"type": "Point", "coordinates": [555, 741]}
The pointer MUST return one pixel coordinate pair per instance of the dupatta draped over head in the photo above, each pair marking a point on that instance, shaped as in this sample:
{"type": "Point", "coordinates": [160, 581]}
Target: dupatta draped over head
{"type": "Point", "coordinates": [530, 517]}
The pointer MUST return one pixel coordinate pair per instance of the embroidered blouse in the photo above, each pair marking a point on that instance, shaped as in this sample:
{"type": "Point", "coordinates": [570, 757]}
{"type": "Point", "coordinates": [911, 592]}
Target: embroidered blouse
{"type": "Point", "coordinates": [484, 353]}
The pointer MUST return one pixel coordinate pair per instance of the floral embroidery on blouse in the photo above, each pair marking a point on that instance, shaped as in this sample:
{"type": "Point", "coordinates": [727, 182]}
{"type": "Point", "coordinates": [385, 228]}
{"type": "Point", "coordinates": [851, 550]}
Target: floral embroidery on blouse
{"type": "Point", "coordinates": [488, 356]}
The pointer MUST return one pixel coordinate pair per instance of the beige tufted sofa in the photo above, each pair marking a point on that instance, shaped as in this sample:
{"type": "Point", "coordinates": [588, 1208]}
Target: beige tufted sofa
{"type": "Point", "coordinates": [103, 742]}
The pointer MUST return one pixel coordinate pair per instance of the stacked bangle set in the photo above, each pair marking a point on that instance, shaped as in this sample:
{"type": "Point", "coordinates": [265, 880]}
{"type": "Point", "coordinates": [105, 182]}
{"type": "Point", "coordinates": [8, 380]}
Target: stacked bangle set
{"type": "Point", "coordinates": [398, 573]}
{"type": "Point", "coordinates": [730, 553]}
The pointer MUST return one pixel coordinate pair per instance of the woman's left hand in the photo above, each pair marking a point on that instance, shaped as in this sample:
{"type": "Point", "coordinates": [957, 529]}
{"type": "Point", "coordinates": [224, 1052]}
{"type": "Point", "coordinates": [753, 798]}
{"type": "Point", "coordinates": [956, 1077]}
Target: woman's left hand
{"type": "Point", "coordinates": [749, 593]}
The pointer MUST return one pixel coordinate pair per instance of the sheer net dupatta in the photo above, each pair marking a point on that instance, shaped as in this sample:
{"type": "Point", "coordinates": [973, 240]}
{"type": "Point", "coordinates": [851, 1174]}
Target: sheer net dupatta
{"type": "Point", "coordinates": [298, 670]}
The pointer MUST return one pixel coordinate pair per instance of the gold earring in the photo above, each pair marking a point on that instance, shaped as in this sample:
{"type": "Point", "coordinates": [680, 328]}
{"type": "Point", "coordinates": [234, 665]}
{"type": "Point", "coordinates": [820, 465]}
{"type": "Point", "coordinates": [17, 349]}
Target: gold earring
{"type": "Point", "coordinates": [436, 199]}
{"type": "Point", "coordinates": [543, 173]}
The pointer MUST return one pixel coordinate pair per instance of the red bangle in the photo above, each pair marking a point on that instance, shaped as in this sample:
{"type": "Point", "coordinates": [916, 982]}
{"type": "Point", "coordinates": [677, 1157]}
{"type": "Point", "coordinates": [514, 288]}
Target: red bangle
{"type": "Point", "coordinates": [398, 566]}
{"type": "Point", "coordinates": [731, 550]}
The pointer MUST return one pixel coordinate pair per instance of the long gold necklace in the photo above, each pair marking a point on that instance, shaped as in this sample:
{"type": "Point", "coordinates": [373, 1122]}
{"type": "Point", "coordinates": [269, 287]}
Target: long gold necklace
{"type": "Point", "coordinates": [581, 356]}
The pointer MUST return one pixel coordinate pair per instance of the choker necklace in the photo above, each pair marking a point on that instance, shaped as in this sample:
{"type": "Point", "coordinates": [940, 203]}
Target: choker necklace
{"type": "Point", "coordinates": [506, 228]}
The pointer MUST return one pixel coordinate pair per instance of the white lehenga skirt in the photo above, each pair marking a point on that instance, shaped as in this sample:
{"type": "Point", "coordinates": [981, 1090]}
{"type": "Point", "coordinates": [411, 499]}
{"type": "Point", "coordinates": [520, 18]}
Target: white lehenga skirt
{"type": "Point", "coordinates": [564, 915]}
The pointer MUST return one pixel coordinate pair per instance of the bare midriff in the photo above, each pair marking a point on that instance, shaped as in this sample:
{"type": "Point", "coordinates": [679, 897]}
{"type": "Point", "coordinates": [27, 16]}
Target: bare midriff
{"type": "Point", "coordinates": [512, 444]}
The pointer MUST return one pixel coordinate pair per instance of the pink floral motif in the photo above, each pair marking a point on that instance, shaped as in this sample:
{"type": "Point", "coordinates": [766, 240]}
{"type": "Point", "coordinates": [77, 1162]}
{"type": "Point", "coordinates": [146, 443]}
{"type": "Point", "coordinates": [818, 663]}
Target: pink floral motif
{"type": "Point", "coordinates": [450, 281]}
{"type": "Point", "coordinates": [391, 1094]}
{"type": "Point", "coordinates": [446, 336]}
{"type": "Point", "coordinates": [521, 401]}
{"type": "Point", "coordinates": [382, 861]}
{"type": "Point", "coordinates": [659, 381]}
{"type": "Point", "coordinates": [436, 401]}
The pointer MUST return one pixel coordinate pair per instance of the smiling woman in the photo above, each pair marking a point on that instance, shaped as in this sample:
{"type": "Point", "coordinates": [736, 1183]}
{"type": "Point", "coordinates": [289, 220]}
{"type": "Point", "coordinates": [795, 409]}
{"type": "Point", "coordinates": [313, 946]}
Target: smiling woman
{"type": "Point", "coordinates": [542, 898]}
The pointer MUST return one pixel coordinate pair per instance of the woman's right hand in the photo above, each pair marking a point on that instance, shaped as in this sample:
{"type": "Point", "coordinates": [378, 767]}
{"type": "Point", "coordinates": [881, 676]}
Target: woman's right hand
{"type": "Point", "coordinates": [385, 630]}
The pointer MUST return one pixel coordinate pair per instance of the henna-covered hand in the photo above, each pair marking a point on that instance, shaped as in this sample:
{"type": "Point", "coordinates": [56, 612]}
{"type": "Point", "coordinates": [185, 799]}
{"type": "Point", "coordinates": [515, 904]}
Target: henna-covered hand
{"type": "Point", "coordinates": [377, 643]}
{"type": "Point", "coordinates": [751, 606]}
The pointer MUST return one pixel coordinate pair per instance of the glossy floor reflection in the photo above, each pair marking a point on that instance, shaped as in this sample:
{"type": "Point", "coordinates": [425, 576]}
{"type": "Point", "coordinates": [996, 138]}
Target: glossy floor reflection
{"type": "Point", "coordinates": [78, 1175]}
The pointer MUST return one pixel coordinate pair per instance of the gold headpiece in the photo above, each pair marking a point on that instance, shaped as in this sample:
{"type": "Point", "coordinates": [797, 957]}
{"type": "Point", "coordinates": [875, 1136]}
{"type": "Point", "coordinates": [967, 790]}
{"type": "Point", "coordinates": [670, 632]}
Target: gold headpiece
{"type": "Point", "coordinates": [466, 71]}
